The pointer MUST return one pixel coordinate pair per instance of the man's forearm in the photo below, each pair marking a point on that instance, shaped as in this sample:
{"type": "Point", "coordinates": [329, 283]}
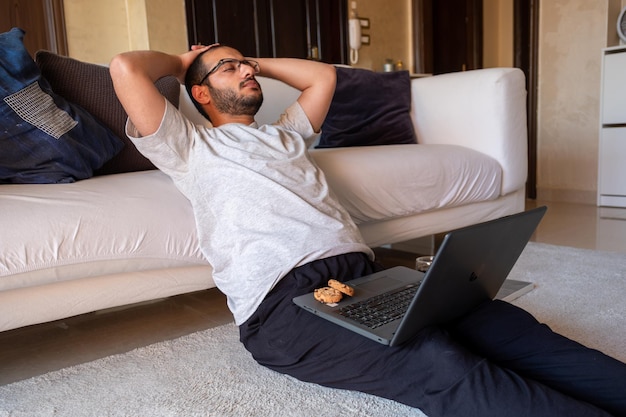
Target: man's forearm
{"type": "Point", "coordinates": [152, 64]}
{"type": "Point", "coordinates": [134, 74]}
{"type": "Point", "coordinates": [298, 73]}
{"type": "Point", "coordinates": [316, 80]}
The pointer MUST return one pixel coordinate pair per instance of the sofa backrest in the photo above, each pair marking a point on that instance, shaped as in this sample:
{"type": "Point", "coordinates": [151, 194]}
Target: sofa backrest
{"type": "Point", "coordinates": [482, 109]}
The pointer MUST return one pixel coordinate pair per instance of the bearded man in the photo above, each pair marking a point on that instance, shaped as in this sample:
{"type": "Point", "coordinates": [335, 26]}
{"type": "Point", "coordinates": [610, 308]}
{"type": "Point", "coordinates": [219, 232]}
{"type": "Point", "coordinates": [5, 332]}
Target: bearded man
{"type": "Point", "coordinates": [271, 228]}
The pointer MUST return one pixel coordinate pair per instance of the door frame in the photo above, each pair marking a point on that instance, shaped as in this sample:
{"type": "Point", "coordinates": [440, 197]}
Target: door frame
{"type": "Point", "coordinates": [57, 34]}
{"type": "Point", "coordinates": [526, 52]}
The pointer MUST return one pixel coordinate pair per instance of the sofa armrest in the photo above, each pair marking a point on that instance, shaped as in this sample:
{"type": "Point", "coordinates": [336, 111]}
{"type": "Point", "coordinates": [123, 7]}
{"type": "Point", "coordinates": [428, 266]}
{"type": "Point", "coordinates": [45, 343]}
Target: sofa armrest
{"type": "Point", "coordinates": [482, 109]}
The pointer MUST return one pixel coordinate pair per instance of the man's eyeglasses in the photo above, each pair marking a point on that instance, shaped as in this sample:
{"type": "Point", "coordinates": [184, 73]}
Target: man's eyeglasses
{"type": "Point", "coordinates": [232, 64]}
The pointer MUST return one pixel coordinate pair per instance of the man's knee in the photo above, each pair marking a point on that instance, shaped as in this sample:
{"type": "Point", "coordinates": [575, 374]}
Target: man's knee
{"type": "Point", "coordinates": [494, 325]}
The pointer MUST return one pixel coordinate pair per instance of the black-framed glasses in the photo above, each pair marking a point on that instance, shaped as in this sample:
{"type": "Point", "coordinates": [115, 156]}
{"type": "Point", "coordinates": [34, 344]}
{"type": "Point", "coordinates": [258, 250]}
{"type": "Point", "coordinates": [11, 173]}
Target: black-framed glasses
{"type": "Point", "coordinates": [232, 64]}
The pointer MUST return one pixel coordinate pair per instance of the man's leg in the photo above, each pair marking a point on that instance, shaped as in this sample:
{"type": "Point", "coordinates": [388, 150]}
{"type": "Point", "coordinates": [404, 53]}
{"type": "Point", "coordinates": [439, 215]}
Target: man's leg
{"type": "Point", "coordinates": [513, 339]}
{"type": "Point", "coordinates": [432, 372]}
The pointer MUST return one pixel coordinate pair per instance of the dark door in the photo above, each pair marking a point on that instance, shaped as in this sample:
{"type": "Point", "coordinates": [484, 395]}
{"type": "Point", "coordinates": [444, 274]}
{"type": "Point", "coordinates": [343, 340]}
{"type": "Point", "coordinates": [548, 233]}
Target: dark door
{"type": "Point", "coordinates": [288, 28]}
{"type": "Point", "coordinates": [457, 35]}
{"type": "Point", "coordinates": [313, 29]}
{"type": "Point", "coordinates": [447, 35]}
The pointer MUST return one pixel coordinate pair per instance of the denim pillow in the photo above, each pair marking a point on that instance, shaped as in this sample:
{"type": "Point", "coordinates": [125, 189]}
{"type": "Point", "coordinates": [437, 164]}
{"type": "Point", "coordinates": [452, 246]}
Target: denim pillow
{"type": "Point", "coordinates": [44, 138]}
{"type": "Point", "coordinates": [369, 108]}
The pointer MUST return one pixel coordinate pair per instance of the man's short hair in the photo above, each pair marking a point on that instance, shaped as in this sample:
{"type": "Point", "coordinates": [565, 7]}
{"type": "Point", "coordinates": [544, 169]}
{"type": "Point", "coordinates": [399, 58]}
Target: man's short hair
{"type": "Point", "coordinates": [196, 71]}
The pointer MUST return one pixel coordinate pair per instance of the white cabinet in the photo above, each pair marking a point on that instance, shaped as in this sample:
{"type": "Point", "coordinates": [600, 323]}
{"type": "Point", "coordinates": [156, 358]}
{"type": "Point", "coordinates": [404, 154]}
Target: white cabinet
{"type": "Point", "coordinates": [612, 152]}
{"type": "Point", "coordinates": [614, 86]}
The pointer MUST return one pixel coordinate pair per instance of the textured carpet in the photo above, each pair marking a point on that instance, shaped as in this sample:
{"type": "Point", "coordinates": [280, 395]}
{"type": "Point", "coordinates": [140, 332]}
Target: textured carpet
{"type": "Point", "coordinates": [578, 293]}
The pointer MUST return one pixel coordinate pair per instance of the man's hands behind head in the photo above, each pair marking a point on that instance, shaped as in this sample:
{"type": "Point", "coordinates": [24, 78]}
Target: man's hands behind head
{"type": "Point", "coordinates": [188, 57]}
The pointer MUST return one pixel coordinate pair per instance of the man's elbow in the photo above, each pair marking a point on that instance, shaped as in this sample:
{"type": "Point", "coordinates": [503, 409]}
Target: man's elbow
{"type": "Point", "coordinates": [118, 67]}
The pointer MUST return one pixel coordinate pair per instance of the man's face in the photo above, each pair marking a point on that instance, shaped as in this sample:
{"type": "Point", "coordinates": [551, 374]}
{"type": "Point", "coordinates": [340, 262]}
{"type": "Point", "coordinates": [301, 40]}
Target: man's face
{"type": "Point", "coordinates": [232, 85]}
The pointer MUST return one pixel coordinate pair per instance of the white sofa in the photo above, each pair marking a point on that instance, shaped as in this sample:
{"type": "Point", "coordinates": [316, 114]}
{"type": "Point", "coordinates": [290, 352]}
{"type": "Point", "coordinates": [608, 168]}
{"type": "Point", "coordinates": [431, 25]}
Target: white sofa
{"type": "Point", "coordinates": [113, 240]}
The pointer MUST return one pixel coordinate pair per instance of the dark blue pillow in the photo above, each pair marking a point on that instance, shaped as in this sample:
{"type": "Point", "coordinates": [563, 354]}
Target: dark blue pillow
{"type": "Point", "coordinates": [369, 108]}
{"type": "Point", "coordinates": [44, 138]}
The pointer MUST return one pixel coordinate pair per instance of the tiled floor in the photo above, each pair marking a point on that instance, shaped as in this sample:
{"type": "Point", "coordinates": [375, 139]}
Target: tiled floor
{"type": "Point", "coordinates": [38, 349]}
{"type": "Point", "coordinates": [582, 226]}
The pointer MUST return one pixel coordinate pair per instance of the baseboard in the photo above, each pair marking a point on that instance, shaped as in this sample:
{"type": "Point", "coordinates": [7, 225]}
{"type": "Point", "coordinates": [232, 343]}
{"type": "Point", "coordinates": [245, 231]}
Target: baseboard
{"type": "Point", "coordinates": [567, 195]}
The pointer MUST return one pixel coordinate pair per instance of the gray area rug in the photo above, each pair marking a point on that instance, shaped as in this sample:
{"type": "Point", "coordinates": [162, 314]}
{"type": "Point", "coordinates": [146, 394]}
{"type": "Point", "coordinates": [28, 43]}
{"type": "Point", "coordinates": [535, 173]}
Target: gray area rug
{"type": "Point", "coordinates": [578, 293]}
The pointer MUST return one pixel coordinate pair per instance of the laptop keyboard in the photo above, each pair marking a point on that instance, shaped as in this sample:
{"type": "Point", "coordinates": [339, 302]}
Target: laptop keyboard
{"type": "Point", "coordinates": [381, 309]}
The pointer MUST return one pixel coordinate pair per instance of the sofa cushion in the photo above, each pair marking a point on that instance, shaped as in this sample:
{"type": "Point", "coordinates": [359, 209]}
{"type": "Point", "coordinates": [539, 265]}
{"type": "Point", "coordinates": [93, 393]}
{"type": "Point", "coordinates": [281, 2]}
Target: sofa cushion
{"type": "Point", "coordinates": [139, 221]}
{"type": "Point", "coordinates": [44, 138]}
{"type": "Point", "coordinates": [90, 86]}
{"type": "Point", "coordinates": [109, 224]}
{"type": "Point", "coordinates": [403, 180]}
{"type": "Point", "coordinates": [369, 108]}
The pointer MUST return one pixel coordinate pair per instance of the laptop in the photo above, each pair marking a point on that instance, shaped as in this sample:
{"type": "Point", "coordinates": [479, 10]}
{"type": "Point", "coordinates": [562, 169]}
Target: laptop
{"type": "Point", "coordinates": [469, 268]}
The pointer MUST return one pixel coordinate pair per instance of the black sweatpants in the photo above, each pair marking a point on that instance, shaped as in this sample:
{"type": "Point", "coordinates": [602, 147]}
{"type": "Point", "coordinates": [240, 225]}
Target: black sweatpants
{"type": "Point", "coordinates": [496, 361]}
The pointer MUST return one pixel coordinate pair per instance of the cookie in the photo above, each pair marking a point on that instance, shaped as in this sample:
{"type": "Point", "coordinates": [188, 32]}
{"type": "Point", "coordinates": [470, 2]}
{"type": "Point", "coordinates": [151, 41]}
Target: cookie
{"type": "Point", "coordinates": [327, 295]}
{"type": "Point", "coordinates": [344, 288]}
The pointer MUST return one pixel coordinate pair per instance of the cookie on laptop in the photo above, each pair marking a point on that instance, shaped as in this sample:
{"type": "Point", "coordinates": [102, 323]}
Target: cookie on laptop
{"type": "Point", "coordinates": [327, 295]}
{"type": "Point", "coordinates": [344, 288]}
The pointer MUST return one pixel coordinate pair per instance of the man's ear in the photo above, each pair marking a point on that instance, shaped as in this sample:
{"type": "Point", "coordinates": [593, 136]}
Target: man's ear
{"type": "Point", "coordinates": [201, 94]}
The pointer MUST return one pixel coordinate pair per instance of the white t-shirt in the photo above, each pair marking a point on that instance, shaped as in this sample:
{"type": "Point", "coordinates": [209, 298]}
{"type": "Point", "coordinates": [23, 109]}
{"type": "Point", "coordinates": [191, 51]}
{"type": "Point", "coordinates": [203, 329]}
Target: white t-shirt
{"type": "Point", "coordinates": [262, 206]}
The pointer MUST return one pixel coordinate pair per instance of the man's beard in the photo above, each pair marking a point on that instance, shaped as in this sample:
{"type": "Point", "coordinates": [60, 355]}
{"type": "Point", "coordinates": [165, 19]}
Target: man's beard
{"type": "Point", "coordinates": [227, 101]}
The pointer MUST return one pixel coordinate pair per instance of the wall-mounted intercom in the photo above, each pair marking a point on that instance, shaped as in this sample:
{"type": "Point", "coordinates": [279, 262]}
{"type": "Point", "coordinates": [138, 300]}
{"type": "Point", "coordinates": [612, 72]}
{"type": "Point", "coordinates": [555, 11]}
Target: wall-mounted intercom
{"type": "Point", "coordinates": [354, 34]}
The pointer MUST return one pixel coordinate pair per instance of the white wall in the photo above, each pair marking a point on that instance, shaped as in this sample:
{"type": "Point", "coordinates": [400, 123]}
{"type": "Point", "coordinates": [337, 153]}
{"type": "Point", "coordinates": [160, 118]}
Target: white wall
{"type": "Point", "coordinates": [572, 34]}
{"type": "Point", "coordinates": [390, 33]}
{"type": "Point", "coordinates": [98, 30]}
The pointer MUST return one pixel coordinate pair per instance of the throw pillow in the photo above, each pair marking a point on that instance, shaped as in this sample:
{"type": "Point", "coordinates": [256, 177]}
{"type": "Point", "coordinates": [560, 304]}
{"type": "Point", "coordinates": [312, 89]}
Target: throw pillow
{"type": "Point", "coordinates": [43, 137]}
{"type": "Point", "coordinates": [369, 108]}
{"type": "Point", "coordinates": [90, 86]}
